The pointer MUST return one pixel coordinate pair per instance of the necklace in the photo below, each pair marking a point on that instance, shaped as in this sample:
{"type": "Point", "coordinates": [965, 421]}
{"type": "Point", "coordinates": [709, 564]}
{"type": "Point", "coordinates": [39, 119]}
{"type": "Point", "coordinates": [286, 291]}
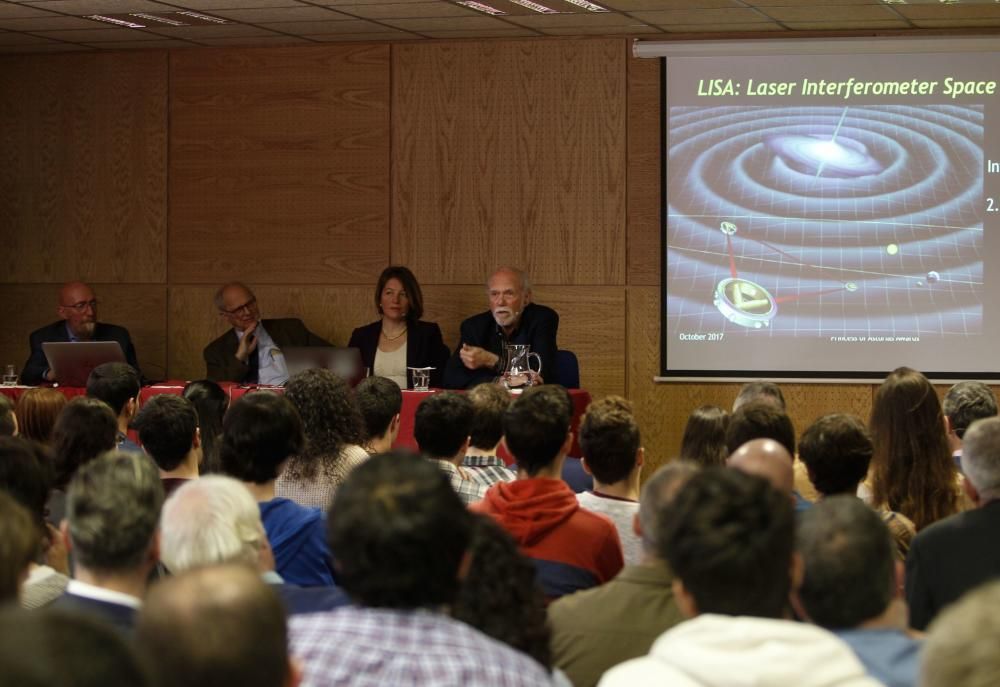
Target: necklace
{"type": "Point", "coordinates": [393, 338]}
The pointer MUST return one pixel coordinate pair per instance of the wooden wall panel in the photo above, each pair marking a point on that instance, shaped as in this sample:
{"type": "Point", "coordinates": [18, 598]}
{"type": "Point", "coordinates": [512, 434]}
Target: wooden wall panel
{"type": "Point", "coordinates": [83, 167]}
{"type": "Point", "coordinates": [140, 308]}
{"type": "Point", "coordinates": [644, 168]}
{"type": "Point", "coordinates": [510, 153]}
{"type": "Point", "coordinates": [279, 165]}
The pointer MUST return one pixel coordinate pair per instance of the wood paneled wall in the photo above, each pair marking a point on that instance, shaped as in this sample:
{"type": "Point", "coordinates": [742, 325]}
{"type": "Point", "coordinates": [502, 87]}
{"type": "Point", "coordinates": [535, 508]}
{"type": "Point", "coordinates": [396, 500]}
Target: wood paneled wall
{"type": "Point", "coordinates": [304, 171]}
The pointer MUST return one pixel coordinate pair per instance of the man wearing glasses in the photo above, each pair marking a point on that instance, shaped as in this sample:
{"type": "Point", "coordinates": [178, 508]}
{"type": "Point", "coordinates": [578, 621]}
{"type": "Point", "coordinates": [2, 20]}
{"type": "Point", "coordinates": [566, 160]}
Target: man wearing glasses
{"type": "Point", "coordinates": [78, 310]}
{"type": "Point", "coordinates": [250, 352]}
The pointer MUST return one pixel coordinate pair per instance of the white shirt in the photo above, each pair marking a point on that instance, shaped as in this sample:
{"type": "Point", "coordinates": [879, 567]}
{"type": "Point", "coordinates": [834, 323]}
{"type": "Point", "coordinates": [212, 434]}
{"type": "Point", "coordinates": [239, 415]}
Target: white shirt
{"type": "Point", "coordinates": [391, 365]}
{"type": "Point", "coordinates": [89, 591]}
{"type": "Point", "coordinates": [273, 370]}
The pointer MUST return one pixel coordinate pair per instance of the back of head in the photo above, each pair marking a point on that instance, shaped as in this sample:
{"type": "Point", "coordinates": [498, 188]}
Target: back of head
{"type": "Point", "coordinates": [37, 411]}
{"type": "Point", "coordinates": [8, 420]}
{"type": "Point", "coordinates": [728, 537]}
{"type": "Point", "coordinates": [61, 649]}
{"type": "Point", "coordinates": [441, 424]}
{"type": "Point", "coordinates": [609, 439]}
{"type": "Point", "coordinates": [400, 532]}
{"type": "Point", "coordinates": [489, 403]}
{"type": "Point", "coordinates": [704, 439]}
{"type": "Point", "coordinates": [836, 450]}
{"type": "Point", "coordinates": [260, 432]}
{"type": "Point", "coordinates": [167, 425]}
{"type": "Point", "coordinates": [760, 420]}
{"type": "Point", "coordinates": [967, 402]}
{"type": "Point", "coordinates": [536, 424]}
{"type": "Point", "coordinates": [849, 562]}
{"type": "Point", "coordinates": [19, 544]}
{"type": "Point", "coordinates": [379, 399]}
{"type": "Point", "coordinates": [961, 648]}
{"type": "Point", "coordinates": [215, 626]}
{"type": "Point", "coordinates": [981, 457]}
{"type": "Point", "coordinates": [330, 419]}
{"type": "Point", "coordinates": [210, 402]}
{"type": "Point", "coordinates": [113, 507]}
{"type": "Point", "coordinates": [211, 520]}
{"type": "Point", "coordinates": [114, 383]}
{"type": "Point", "coordinates": [85, 428]}
{"type": "Point", "coordinates": [658, 492]}
{"type": "Point", "coordinates": [767, 392]}
{"type": "Point", "coordinates": [768, 459]}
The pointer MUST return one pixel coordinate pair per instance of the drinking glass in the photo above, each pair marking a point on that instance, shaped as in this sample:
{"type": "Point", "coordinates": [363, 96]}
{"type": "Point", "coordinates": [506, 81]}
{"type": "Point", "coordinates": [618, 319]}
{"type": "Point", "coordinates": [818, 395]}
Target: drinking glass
{"type": "Point", "coordinates": [9, 376]}
{"type": "Point", "coordinates": [421, 378]}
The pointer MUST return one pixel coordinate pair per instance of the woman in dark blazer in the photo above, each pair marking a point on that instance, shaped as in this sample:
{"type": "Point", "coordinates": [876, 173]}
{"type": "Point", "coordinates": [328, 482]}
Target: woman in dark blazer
{"type": "Point", "coordinates": [400, 305]}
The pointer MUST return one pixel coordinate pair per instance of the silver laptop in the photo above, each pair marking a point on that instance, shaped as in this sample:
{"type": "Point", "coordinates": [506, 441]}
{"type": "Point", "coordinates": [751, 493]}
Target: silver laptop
{"type": "Point", "coordinates": [72, 361]}
{"type": "Point", "coordinates": [346, 363]}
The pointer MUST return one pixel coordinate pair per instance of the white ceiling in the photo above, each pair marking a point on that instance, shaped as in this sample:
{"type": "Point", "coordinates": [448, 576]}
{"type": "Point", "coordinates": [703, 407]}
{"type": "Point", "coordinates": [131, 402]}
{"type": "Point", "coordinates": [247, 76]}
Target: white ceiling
{"type": "Point", "coordinates": [33, 26]}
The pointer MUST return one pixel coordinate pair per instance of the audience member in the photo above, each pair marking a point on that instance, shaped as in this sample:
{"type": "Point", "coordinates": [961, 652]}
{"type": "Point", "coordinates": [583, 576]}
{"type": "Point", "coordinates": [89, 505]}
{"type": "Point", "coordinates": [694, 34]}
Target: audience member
{"type": "Point", "coordinates": [112, 512]}
{"type": "Point", "coordinates": [85, 429]}
{"type": "Point", "coordinates": [333, 431]}
{"type": "Point", "coordinates": [961, 648]}
{"type": "Point", "coordinates": [77, 322]}
{"type": "Point", "coordinates": [837, 450]}
{"type": "Point", "coordinates": [596, 629]}
{"type": "Point", "coordinates": [441, 429]}
{"type": "Point", "coordinates": [612, 453]}
{"type": "Point", "coordinates": [912, 471]}
{"type": "Point", "coordinates": [759, 420]}
{"type": "Point", "coordinates": [728, 537]}
{"type": "Point", "coordinates": [765, 458]}
{"type": "Point", "coordinates": [168, 430]}
{"type": "Point", "coordinates": [768, 392]}
{"type": "Point", "coordinates": [261, 432]}
{"type": "Point", "coordinates": [8, 419]}
{"type": "Point", "coordinates": [118, 385]}
{"type": "Point", "coordinates": [216, 626]}
{"type": "Point", "coordinates": [380, 401]}
{"type": "Point", "coordinates": [211, 403]}
{"type": "Point", "coordinates": [18, 546]}
{"type": "Point", "coordinates": [489, 403]}
{"type": "Point", "coordinates": [958, 553]}
{"type": "Point", "coordinates": [965, 403]}
{"type": "Point", "coordinates": [571, 547]}
{"type": "Point", "coordinates": [63, 649]}
{"type": "Point", "coordinates": [481, 355]}
{"type": "Point", "coordinates": [852, 585]}
{"type": "Point", "coordinates": [36, 411]}
{"type": "Point", "coordinates": [401, 535]}
{"type": "Point", "coordinates": [704, 439]}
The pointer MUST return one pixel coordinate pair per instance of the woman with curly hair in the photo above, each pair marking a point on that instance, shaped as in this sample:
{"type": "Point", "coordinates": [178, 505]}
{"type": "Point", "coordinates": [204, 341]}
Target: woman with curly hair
{"type": "Point", "coordinates": [333, 429]}
{"type": "Point", "coordinates": [912, 469]}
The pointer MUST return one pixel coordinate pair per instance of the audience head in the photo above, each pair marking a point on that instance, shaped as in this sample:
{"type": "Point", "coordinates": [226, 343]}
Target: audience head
{"type": "Point", "coordinates": [728, 537]}
{"type": "Point", "coordinates": [400, 533]}
{"type": "Point", "coordinates": [210, 402]}
{"type": "Point", "coordinates": [441, 425]}
{"type": "Point", "coordinates": [981, 458]}
{"type": "Point", "coordinates": [704, 440]}
{"type": "Point", "coordinates": [965, 403]}
{"type": "Point", "coordinates": [961, 648]}
{"type": "Point", "coordinates": [237, 305]}
{"type": "Point", "coordinates": [509, 292]}
{"type": "Point", "coordinates": [211, 520]}
{"type": "Point", "coordinates": [489, 403]}
{"type": "Point", "coordinates": [58, 648]}
{"type": "Point", "coordinates": [767, 392]}
{"type": "Point", "coordinates": [658, 493]}
{"type": "Point", "coordinates": [397, 281]}
{"type": "Point", "coordinates": [78, 306]}
{"type": "Point", "coordinates": [330, 420]}
{"type": "Point", "coordinates": [8, 419]}
{"type": "Point", "coordinates": [168, 430]}
{"type": "Point", "coordinates": [220, 625]}
{"type": "Point", "coordinates": [836, 450]}
{"type": "Point", "coordinates": [261, 431]}
{"type": "Point", "coordinates": [379, 401]}
{"type": "Point", "coordinates": [37, 410]}
{"type": "Point", "coordinates": [85, 428]}
{"type": "Point", "coordinates": [609, 440]}
{"type": "Point", "coordinates": [26, 474]}
{"type": "Point", "coordinates": [19, 537]}
{"type": "Point", "coordinates": [112, 512]}
{"type": "Point", "coordinates": [768, 459]}
{"type": "Point", "coordinates": [117, 384]}
{"type": "Point", "coordinates": [850, 563]}
{"type": "Point", "coordinates": [536, 427]}
{"type": "Point", "coordinates": [912, 469]}
{"type": "Point", "coordinates": [760, 420]}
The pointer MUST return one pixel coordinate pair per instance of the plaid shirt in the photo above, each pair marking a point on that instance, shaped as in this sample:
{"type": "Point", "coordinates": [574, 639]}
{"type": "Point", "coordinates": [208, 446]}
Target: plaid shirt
{"type": "Point", "coordinates": [468, 489]}
{"type": "Point", "coordinates": [488, 469]}
{"type": "Point", "coordinates": [365, 647]}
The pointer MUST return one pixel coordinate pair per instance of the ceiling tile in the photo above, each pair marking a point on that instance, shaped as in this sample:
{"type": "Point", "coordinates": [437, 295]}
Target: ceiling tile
{"type": "Point", "coordinates": [631, 5]}
{"type": "Point", "coordinates": [273, 14]}
{"type": "Point", "coordinates": [714, 17]}
{"type": "Point", "coordinates": [956, 23]}
{"type": "Point", "coordinates": [255, 42]}
{"type": "Point", "coordinates": [951, 12]}
{"type": "Point", "coordinates": [384, 34]}
{"type": "Point", "coordinates": [477, 23]}
{"type": "Point", "coordinates": [207, 5]}
{"type": "Point", "coordinates": [407, 10]}
{"type": "Point", "coordinates": [847, 25]}
{"type": "Point", "coordinates": [164, 44]}
{"type": "Point", "coordinates": [7, 38]}
{"type": "Point", "coordinates": [9, 11]}
{"type": "Point", "coordinates": [542, 21]}
{"type": "Point", "coordinates": [322, 27]}
{"type": "Point", "coordinates": [82, 7]}
{"type": "Point", "coordinates": [337, 3]}
{"type": "Point", "coordinates": [808, 3]}
{"type": "Point", "coordinates": [217, 31]}
{"type": "Point", "coordinates": [512, 32]}
{"type": "Point", "coordinates": [98, 35]}
{"type": "Point", "coordinates": [54, 22]}
{"type": "Point", "coordinates": [599, 30]}
{"type": "Point", "coordinates": [43, 48]}
{"type": "Point", "coordinates": [722, 28]}
{"type": "Point", "coordinates": [831, 13]}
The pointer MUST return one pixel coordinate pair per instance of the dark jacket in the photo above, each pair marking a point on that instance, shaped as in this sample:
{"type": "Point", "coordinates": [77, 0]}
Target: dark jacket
{"type": "Point", "coordinates": [220, 355]}
{"type": "Point", "coordinates": [424, 348]}
{"type": "Point", "coordinates": [37, 364]}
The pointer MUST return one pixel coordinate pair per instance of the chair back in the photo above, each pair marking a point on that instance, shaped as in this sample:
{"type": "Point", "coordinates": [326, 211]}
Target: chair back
{"type": "Point", "coordinates": [567, 370]}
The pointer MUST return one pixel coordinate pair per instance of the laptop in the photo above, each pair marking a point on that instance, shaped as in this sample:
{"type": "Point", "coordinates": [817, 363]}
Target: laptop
{"type": "Point", "coordinates": [346, 363]}
{"type": "Point", "coordinates": [72, 361]}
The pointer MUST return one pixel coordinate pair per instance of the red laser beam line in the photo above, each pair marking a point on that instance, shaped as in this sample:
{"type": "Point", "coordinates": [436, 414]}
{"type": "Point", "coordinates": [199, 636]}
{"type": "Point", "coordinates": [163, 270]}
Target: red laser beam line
{"type": "Point", "coordinates": [785, 299]}
{"type": "Point", "coordinates": [774, 248]}
{"type": "Point", "coordinates": [732, 257]}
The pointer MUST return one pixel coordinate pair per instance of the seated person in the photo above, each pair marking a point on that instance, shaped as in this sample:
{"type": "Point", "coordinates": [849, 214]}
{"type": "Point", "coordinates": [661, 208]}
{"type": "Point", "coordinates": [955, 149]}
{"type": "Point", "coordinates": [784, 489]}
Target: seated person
{"type": "Point", "coordinates": [512, 319]}
{"type": "Point", "coordinates": [399, 339]}
{"type": "Point", "coordinates": [118, 385]}
{"type": "Point", "coordinates": [78, 312]}
{"type": "Point", "coordinates": [441, 428]}
{"type": "Point", "coordinates": [168, 430]}
{"type": "Point", "coordinates": [380, 402]}
{"type": "Point", "coordinates": [250, 352]}
{"type": "Point", "coordinates": [489, 404]}
{"type": "Point", "coordinates": [8, 419]}
{"type": "Point", "coordinates": [36, 411]}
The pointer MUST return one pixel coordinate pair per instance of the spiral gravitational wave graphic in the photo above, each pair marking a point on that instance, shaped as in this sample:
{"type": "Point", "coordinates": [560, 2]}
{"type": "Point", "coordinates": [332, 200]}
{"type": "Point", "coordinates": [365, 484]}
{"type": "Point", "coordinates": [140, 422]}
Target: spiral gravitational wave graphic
{"type": "Point", "coordinates": [811, 221]}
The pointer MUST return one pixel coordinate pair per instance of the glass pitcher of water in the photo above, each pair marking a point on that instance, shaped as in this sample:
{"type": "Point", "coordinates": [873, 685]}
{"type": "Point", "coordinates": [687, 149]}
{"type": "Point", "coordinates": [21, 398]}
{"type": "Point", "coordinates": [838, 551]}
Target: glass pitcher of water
{"type": "Point", "coordinates": [519, 373]}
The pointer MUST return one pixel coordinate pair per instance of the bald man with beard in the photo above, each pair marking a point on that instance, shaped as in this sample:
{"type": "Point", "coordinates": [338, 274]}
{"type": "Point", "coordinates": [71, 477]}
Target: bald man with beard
{"type": "Point", "coordinates": [77, 309]}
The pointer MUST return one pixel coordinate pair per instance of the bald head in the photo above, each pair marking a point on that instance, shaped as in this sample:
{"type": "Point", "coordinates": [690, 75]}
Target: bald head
{"type": "Point", "coordinates": [78, 306]}
{"type": "Point", "coordinates": [768, 459]}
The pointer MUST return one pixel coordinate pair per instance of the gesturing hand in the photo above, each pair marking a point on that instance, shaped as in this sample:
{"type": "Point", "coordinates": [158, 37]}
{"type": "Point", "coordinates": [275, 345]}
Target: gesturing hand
{"type": "Point", "coordinates": [474, 357]}
{"type": "Point", "coordinates": [248, 344]}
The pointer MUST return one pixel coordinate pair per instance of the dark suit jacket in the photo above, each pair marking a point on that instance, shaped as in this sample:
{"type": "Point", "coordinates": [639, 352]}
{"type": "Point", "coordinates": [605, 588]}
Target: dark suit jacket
{"type": "Point", "coordinates": [424, 348]}
{"type": "Point", "coordinates": [118, 616]}
{"type": "Point", "coordinates": [220, 355]}
{"type": "Point", "coordinates": [36, 365]}
{"type": "Point", "coordinates": [949, 558]}
{"type": "Point", "coordinates": [538, 328]}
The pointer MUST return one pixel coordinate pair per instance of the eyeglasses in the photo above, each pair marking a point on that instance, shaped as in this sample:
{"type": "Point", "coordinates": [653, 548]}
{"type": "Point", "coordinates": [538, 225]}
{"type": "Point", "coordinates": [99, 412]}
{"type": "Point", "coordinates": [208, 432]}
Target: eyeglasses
{"type": "Point", "coordinates": [240, 308]}
{"type": "Point", "coordinates": [83, 305]}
